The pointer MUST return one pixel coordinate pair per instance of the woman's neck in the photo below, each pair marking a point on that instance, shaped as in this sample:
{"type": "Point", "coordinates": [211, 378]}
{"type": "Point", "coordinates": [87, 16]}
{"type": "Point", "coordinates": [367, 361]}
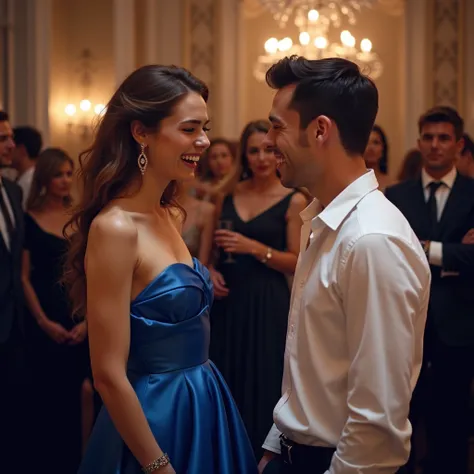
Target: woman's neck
{"type": "Point", "coordinates": [263, 185]}
{"type": "Point", "coordinates": [53, 204]}
{"type": "Point", "coordinates": [146, 192]}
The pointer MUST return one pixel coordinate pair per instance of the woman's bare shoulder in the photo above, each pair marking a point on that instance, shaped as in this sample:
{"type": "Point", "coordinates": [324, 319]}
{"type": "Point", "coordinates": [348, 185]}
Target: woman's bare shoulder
{"type": "Point", "coordinates": [113, 222]}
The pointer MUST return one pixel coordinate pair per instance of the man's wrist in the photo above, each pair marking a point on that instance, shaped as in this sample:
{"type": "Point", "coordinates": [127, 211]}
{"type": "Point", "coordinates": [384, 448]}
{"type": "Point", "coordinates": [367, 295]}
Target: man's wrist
{"type": "Point", "coordinates": [426, 247]}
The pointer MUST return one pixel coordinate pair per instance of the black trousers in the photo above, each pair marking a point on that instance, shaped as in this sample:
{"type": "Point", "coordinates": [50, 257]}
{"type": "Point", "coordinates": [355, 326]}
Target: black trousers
{"type": "Point", "coordinates": [441, 400]}
{"type": "Point", "coordinates": [448, 418]}
{"type": "Point", "coordinates": [301, 460]}
{"type": "Point", "coordinates": [14, 427]}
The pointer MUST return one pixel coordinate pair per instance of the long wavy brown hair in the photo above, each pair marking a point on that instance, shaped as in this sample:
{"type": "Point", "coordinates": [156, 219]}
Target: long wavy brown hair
{"type": "Point", "coordinates": [109, 166]}
{"type": "Point", "coordinates": [47, 166]}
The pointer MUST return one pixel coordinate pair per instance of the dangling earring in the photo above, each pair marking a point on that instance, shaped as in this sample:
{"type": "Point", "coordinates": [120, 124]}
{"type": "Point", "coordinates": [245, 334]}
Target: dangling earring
{"type": "Point", "coordinates": [142, 159]}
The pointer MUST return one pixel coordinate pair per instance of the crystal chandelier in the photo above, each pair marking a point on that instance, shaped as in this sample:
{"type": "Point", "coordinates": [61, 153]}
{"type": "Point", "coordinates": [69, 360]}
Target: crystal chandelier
{"type": "Point", "coordinates": [313, 18]}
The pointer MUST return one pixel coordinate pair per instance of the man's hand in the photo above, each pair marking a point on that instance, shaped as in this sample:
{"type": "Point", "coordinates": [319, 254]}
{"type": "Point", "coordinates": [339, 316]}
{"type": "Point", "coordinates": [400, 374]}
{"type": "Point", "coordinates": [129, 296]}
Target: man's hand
{"type": "Point", "coordinates": [469, 237]}
{"type": "Point", "coordinates": [266, 458]}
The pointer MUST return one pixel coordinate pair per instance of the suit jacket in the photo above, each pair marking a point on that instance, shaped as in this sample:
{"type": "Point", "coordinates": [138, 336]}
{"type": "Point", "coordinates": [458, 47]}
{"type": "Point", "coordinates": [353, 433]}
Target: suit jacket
{"type": "Point", "coordinates": [451, 312]}
{"type": "Point", "coordinates": [11, 290]}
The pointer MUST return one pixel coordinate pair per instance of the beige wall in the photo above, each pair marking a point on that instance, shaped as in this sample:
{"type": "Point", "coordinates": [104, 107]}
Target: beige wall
{"type": "Point", "coordinates": [77, 25]}
{"type": "Point", "coordinates": [387, 34]}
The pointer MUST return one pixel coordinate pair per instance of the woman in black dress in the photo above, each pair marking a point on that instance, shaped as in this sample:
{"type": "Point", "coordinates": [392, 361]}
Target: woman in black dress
{"type": "Point", "coordinates": [259, 243]}
{"type": "Point", "coordinates": [56, 344]}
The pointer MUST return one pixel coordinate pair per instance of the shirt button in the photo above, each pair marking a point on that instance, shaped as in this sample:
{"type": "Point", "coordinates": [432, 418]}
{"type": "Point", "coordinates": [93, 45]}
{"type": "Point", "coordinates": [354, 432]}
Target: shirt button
{"type": "Point", "coordinates": [302, 283]}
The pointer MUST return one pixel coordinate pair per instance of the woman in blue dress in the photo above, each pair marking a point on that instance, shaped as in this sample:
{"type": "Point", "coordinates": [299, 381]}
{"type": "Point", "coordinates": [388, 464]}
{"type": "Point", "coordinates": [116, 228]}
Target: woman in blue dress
{"type": "Point", "coordinates": [166, 407]}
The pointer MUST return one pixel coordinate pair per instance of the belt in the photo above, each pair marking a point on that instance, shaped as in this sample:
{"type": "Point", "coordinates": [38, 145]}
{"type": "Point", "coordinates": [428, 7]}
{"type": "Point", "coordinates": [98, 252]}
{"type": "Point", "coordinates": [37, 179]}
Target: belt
{"type": "Point", "coordinates": [295, 453]}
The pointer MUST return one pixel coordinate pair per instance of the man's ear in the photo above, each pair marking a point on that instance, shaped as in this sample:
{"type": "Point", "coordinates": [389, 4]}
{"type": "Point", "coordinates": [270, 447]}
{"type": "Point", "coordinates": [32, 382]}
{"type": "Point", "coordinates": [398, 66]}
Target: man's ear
{"type": "Point", "coordinates": [319, 129]}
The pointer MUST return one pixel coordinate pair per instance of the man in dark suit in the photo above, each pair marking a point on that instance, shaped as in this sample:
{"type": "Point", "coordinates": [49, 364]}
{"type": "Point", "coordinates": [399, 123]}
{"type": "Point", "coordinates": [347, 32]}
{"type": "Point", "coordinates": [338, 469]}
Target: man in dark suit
{"type": "Point", "coordinates": [11, 305]}
{"type": "Point", "coordinates": [465, 164]}
{"type": "Point", "coordinates": [440, 209]}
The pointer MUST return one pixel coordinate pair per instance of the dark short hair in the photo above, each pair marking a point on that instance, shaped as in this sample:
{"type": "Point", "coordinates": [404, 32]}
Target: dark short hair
{"type": "Point", "coordinates": [30, 138]}
{"type": "Point", "coordinates": [3, 116]}
{"type": "Point", "coordinates": [443, 114]}
{"type": "Point", "coordinates": [468, 145]}
{"type": "Point", "coordinates": [334, 87]}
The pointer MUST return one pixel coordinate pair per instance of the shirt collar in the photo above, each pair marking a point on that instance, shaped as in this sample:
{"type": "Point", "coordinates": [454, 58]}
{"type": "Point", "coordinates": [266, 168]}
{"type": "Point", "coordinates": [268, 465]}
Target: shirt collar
{"type": "Point", "coordinates": [340, 207]}
{"type": "Point", "coordinates": [448, 179]}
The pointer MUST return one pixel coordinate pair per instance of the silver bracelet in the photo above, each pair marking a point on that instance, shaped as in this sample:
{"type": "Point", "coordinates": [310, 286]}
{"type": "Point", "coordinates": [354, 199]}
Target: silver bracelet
{"type": "Point", "coordinates": [156, 464]}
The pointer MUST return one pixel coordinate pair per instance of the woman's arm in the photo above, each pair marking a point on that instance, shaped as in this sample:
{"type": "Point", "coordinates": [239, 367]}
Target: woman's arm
{"type": "Point", "coordinates": [207, 232]}
{"type": "Point", "coordinates": [110, 263]}
{"type": "Point", "coordinates": [283, 261]}
{"type": "Point", "coordinates": [54, 330]}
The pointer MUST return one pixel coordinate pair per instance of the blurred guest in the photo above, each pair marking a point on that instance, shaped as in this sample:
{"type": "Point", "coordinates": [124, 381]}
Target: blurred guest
{"type": "Point", "coordinates": [217, 161]}
{"type": "Point", "coordinates": [198, 227]}
{"type": "Point", "coordinates": [258, 238]}
{"type": "Point", "coordinates": [11, 304]}
{"type": "Point", "coordinates": [376, 156]}
{"type": "Point", "coordinates": [465, 163]}
{"type": "Point", "coordinates": [7, 144]}
{"type": "Point", "coordinates": [56, 344]}
{"type": "Point", "coordinates": [440, 208]}
{"type": "Point", "coordinates": [217, 164]}
{"type": "Point", "coordinates": [28, 144]}
{"type": "Point", "coordinates": [411, 166]}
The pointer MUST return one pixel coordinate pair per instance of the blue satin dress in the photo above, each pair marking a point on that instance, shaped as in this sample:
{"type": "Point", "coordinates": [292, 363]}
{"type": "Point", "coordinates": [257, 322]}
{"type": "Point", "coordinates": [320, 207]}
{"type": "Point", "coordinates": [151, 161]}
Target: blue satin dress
{"type": "Point", "coordinates": [184, 397]}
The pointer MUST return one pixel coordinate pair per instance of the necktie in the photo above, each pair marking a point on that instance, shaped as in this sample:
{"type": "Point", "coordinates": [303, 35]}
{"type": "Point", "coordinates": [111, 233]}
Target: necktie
{"type": "Point", "coordinates": [6, 215]}
{"type": "Point", "coordinates": [433, 208]}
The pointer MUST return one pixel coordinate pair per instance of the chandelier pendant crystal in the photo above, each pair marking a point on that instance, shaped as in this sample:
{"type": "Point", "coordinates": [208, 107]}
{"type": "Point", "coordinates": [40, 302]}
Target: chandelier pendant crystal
{"type": "Point", "coordinates": [314, 18]}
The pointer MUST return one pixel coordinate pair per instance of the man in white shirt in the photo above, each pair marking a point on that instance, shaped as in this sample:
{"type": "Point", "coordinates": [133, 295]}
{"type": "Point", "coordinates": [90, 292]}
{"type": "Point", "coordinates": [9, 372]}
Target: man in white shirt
{"type": "Point", "coordinates": [361, 286]}
{"type": "Point", "coordinates": [28, 142]}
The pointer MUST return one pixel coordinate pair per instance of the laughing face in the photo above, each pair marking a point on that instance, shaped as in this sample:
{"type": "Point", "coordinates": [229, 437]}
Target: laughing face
{"type": "Point", "coordinates": [174, 151]}
{"type": "Point", "coordinates": [295, 159]}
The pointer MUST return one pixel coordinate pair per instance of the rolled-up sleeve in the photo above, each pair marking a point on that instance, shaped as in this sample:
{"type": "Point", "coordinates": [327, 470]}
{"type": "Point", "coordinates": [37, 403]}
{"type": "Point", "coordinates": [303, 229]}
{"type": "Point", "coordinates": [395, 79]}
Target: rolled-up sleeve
{"type": "Point", "coordinates": [384, 285]}
{"type": "Point", "coordinates": [272, 441]}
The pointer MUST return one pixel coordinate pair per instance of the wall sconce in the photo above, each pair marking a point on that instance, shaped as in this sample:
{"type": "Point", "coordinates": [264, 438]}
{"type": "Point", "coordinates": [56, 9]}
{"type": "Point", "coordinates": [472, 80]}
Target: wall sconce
{"type": "Point", "coordinates": [80, 118]}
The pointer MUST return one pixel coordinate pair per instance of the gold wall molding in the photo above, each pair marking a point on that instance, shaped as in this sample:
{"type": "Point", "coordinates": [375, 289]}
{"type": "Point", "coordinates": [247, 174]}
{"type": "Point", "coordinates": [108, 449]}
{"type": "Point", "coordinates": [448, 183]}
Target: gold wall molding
{"type": "Point", "coordinates": [447, 52]}
{"type": "Point", "coordinates": [200, 41]}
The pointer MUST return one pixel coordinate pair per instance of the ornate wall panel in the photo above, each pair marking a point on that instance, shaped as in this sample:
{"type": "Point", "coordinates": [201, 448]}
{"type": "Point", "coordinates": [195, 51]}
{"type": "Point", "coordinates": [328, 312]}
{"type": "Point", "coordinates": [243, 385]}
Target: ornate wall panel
{"type": "Point", "coordinates": [447, 52]}
{"type": "Point", "coordinates": [200, 38]}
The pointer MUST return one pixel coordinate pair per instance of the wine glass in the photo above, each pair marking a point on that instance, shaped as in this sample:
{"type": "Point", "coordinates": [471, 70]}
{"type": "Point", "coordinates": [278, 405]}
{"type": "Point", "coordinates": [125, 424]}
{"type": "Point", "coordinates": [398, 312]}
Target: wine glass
{"type": "Point", "coordinates": [227, 224]}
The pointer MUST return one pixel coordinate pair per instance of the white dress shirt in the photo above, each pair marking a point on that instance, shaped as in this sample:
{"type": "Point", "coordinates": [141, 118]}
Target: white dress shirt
{"type": "Point", "coordinates": [24, 181]}
{"type": "Point", "coordinates": [355, 333]}
{"type": "Point", "coordinates": [435, 254]}
{"type": "Point", "coordinates": [3, 224]}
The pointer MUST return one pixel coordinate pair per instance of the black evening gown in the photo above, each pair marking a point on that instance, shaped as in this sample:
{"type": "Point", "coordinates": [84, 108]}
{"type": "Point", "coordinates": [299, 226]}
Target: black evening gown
{"type": "Point", "coordinates": [58, 370]}
{"type": "Point", "coordinates": [248, 327]}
